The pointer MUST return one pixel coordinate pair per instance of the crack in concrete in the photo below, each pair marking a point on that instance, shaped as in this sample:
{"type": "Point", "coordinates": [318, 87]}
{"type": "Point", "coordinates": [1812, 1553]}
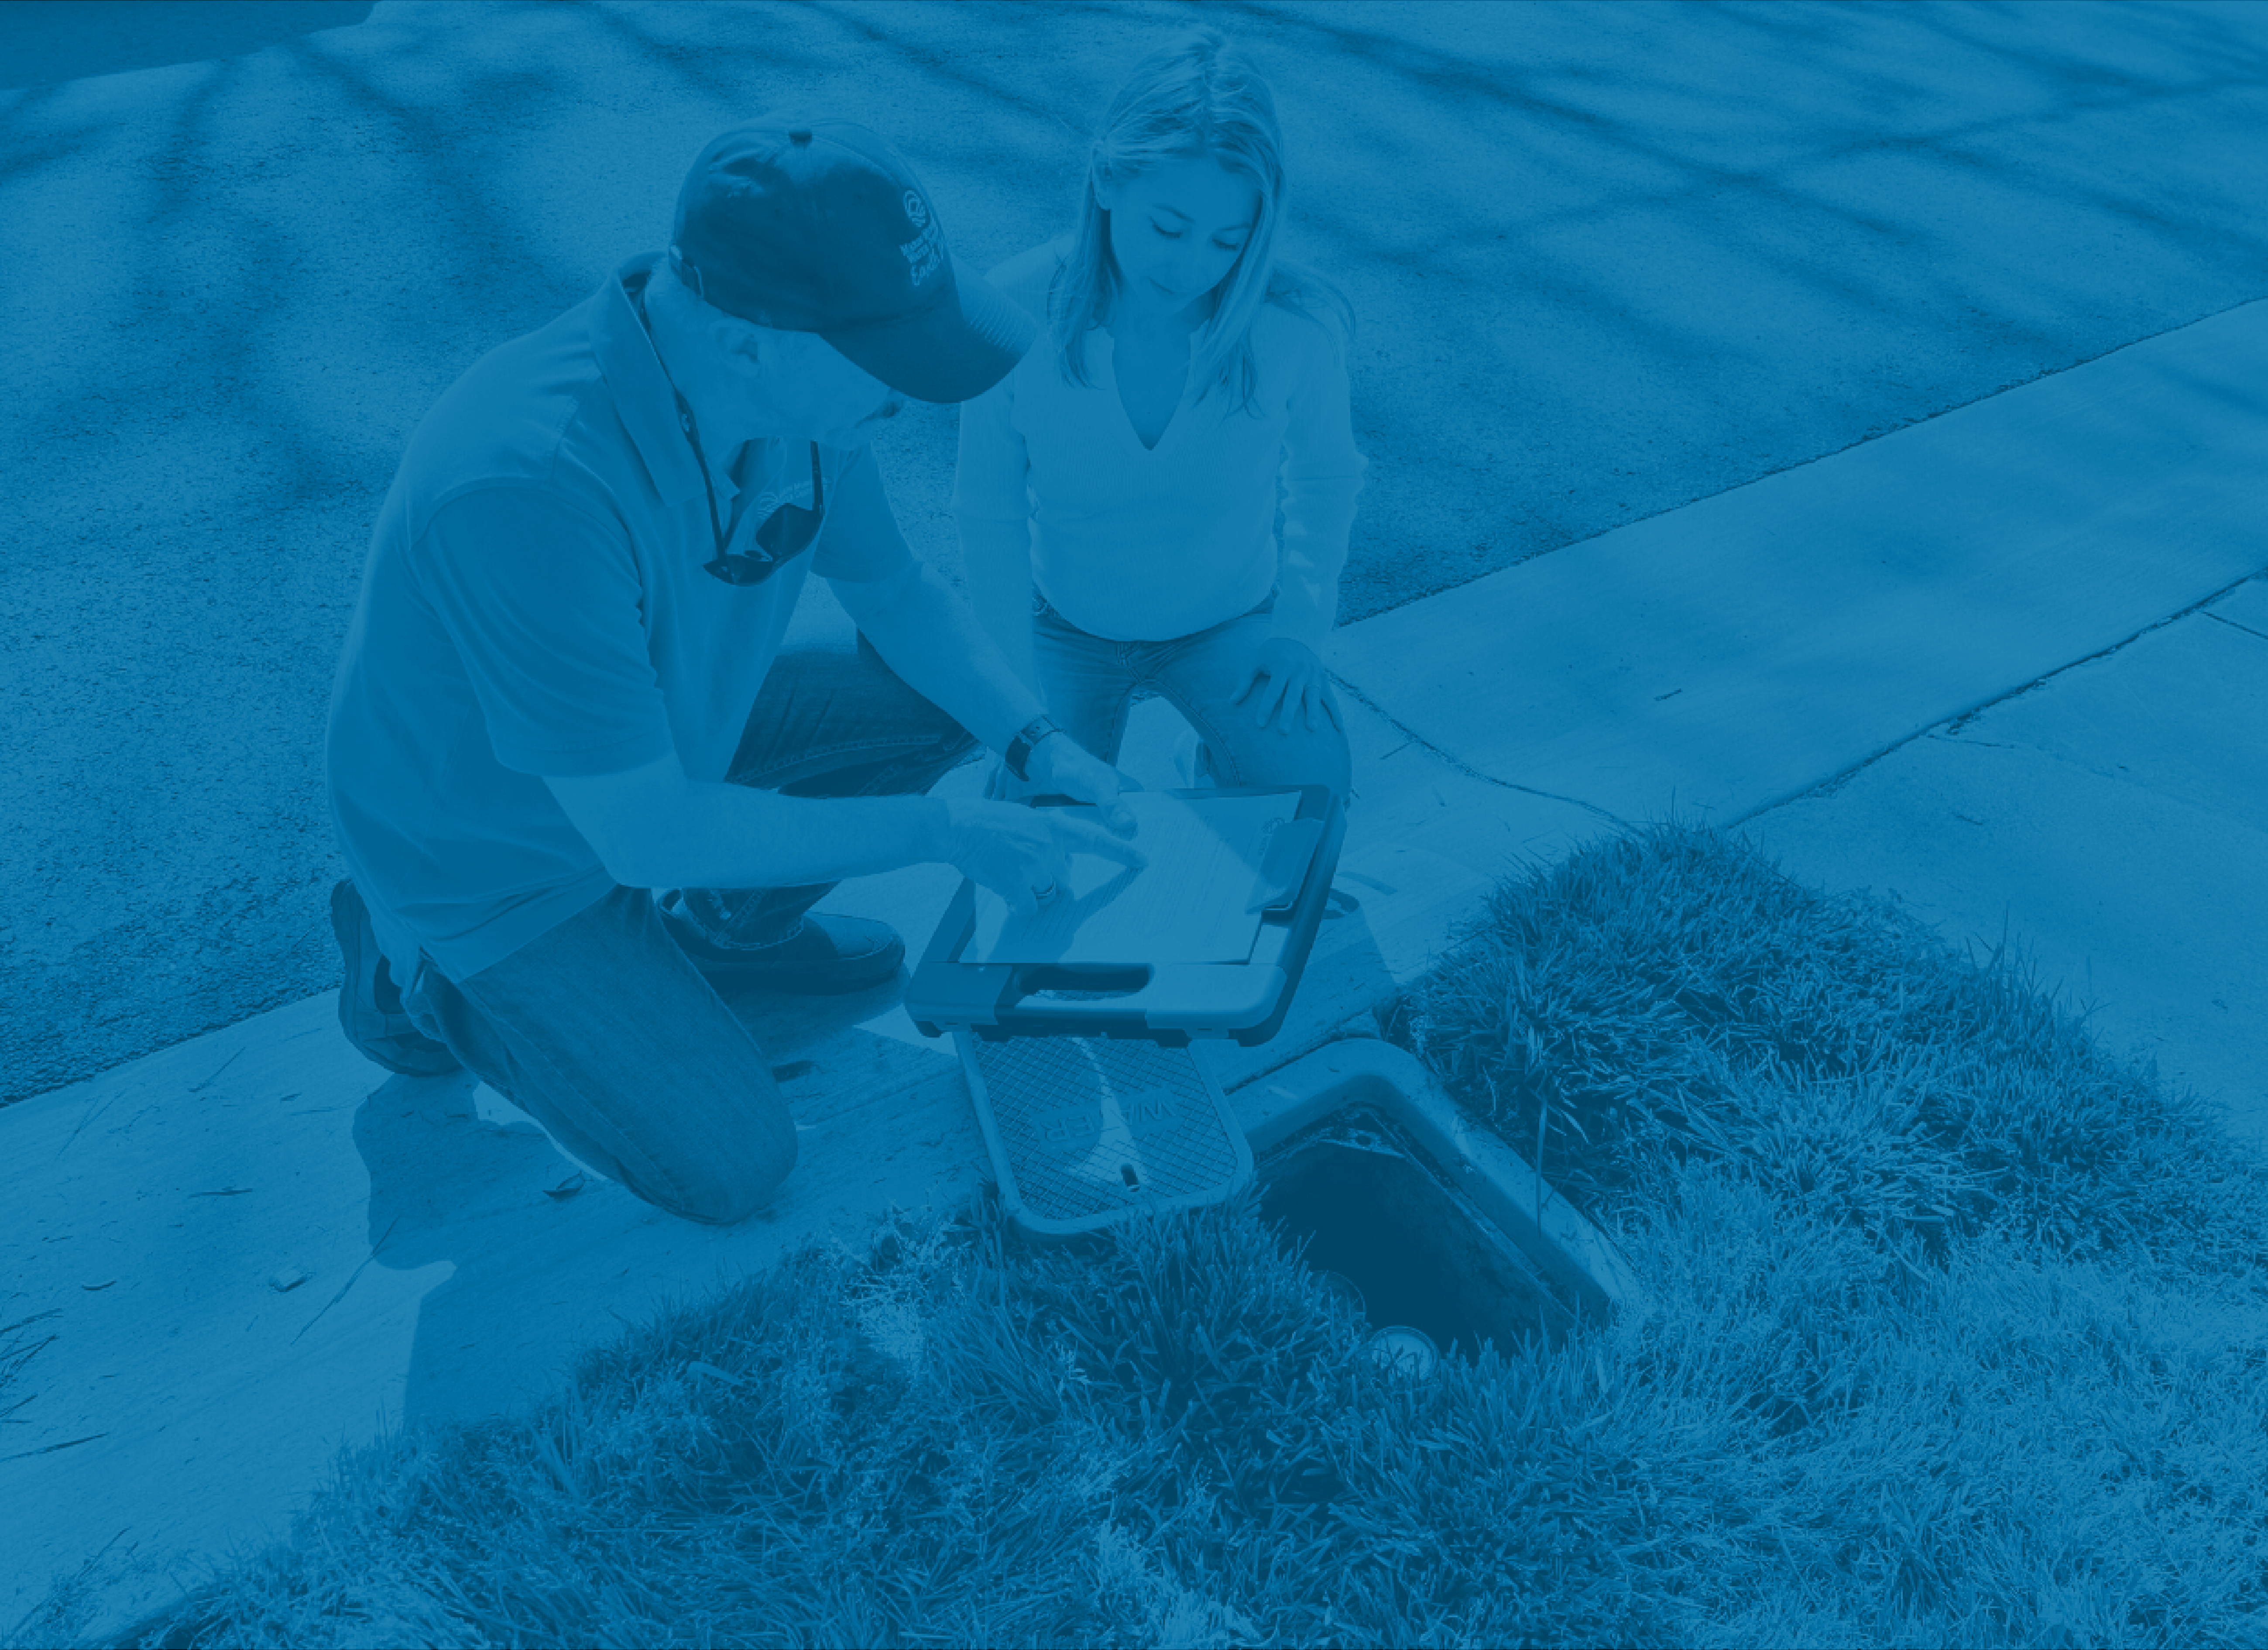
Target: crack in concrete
{"type": "Point", "coordinates": [1954, 724]}
{"type": "Point", "coordinates": [1450, 760]}
{"type": "Point", "coordinates": [2234, 625]}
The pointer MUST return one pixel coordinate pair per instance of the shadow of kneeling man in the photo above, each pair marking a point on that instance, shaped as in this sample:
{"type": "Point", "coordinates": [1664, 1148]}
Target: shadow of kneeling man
{"type": "Point", "coordinates": [518, 1224]}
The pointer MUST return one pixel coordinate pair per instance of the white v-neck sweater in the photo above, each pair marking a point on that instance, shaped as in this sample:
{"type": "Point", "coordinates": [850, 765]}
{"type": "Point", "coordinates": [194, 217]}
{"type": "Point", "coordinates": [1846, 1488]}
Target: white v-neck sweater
{"type": "Point", "coordinates": [1053, 485]}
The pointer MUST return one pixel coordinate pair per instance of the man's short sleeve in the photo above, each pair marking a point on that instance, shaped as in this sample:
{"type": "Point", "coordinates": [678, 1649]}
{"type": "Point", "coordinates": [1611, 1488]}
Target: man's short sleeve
{"type": "Point", "coordinates": [859, 542]}
{"type": "Point", "coordinates": [542, 601]}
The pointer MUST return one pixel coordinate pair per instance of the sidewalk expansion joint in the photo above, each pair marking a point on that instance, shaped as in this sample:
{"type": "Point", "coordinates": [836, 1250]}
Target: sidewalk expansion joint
{"type": "Point", "coordinates": [1449, 759]}
{"type": "Point", "coordinates": [1955, 723]}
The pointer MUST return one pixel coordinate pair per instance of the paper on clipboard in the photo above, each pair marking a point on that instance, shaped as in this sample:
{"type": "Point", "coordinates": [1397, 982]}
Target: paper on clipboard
{"type": "Point", "coordinates": [1188, 905]}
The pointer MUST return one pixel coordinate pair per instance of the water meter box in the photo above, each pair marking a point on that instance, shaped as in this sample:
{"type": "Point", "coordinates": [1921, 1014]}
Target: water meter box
{"type": "Point", "coordinates": [1376, 1210]}
{"type": "Point", "coordinates": [1352, 1085]}
{"type": "Point", "coordinates": [1167, 1005]}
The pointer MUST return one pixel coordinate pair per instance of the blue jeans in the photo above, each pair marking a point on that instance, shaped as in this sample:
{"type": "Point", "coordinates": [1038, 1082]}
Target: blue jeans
{"type": "Point", "coordinates": [602, 1029]}
{"type": "Point", "coordinates": [1091, 684]}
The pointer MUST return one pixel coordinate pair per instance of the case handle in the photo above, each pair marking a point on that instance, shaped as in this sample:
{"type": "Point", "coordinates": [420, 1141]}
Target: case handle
{"type": "Point", "coordinates": [1120, 979]}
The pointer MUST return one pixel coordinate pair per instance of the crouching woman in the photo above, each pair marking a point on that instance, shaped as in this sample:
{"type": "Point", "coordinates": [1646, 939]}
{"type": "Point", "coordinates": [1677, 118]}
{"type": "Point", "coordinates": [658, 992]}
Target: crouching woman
{"type": "Point", "coordinates": [1116, 493]}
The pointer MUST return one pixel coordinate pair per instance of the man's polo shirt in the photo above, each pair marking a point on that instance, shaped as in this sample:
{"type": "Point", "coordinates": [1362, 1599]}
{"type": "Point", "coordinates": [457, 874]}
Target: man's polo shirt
{"type": "Point", "coordinates": [535, 604]}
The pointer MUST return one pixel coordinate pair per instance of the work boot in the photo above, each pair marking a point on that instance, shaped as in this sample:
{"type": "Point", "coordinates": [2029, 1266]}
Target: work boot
{"type": "Point", "coordinates": [370, 1004]}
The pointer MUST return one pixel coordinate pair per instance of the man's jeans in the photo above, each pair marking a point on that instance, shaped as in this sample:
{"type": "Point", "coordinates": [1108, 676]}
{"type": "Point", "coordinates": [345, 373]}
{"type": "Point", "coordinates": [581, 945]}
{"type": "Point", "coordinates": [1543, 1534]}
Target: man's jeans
{"type": "Point", "coordinates": [1091, 683]}
{"type": "Point", "coordinates": [602, 1030]}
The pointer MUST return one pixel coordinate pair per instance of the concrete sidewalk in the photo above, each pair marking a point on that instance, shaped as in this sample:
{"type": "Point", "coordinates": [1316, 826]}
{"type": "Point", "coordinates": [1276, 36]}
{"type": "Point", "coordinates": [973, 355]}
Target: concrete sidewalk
{"type": "Point", "coordinates": [2031, 617]}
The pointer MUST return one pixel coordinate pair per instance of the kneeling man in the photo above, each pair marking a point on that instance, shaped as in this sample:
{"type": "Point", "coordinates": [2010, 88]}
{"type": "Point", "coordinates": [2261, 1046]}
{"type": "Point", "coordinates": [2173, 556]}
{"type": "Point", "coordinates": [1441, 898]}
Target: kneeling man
{"type": "Point", "coordinates": [563, 687]}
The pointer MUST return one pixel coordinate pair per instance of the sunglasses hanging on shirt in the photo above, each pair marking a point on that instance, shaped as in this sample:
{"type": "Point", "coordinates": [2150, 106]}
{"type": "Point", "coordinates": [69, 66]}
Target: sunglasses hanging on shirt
{"type": "Point", "coordinates": [785, 535]}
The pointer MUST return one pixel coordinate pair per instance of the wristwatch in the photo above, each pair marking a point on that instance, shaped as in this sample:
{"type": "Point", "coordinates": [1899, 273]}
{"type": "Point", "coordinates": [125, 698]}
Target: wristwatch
{"type": "Point", "coordinates": [1020, 749]}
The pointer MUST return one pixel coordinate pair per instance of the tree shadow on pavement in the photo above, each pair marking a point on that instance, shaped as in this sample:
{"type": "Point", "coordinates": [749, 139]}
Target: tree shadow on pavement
{"type": "Point", "coordinates": [44, 43]}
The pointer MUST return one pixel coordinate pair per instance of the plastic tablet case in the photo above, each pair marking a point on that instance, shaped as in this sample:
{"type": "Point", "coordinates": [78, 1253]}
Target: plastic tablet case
{"type": "Point", "coordinates": [1166, 1003]}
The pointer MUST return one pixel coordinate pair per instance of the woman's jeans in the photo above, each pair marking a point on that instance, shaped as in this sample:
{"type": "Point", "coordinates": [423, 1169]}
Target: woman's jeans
{"type": "Point", "coordinates": [607, 1034]}
{"type": "Point", "coordinates": [1091, 684]}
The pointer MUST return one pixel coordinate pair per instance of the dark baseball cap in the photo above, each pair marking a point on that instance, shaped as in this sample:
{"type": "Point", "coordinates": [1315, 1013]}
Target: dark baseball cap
{"type": "Point", "coordinates": [810, 225]}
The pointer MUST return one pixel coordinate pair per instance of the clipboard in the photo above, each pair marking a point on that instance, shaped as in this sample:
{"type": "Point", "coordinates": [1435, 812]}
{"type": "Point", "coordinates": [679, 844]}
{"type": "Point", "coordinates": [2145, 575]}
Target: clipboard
{"type": "Point", "coordinates": [1166, 1003]}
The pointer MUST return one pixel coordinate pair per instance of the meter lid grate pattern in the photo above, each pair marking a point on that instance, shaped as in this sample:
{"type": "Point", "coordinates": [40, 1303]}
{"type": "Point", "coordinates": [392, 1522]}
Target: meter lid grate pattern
{"type": "Point", "coordinates": [1073, 1113]}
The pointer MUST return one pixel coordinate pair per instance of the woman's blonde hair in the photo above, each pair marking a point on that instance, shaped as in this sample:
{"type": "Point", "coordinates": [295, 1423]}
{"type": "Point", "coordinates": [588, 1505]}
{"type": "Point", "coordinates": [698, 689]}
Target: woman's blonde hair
{"type": "Point", "coordinates": [1199, 97]}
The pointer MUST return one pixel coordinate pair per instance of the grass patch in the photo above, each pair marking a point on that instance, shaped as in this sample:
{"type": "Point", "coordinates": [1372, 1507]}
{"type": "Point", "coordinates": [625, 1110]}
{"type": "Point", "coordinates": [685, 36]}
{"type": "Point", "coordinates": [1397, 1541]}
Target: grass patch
{"type": "Point", "coordinates": [1959, 1337]}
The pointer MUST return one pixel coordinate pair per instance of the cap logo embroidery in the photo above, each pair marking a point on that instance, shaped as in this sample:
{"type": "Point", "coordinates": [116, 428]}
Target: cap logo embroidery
{"type": "Point", "coordinates": [923, 254]}
{"type": "Point", "coordinates": [914, 209]}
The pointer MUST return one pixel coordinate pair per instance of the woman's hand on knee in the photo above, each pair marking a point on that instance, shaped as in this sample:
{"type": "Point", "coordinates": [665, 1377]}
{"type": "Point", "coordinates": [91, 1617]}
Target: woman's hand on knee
{"type": "Point", "coordinates": [1289, 680]}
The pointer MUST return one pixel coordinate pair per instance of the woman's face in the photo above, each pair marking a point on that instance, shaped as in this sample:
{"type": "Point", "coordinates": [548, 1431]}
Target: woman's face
{"type": "Point", "coordinates": [1175, 231]}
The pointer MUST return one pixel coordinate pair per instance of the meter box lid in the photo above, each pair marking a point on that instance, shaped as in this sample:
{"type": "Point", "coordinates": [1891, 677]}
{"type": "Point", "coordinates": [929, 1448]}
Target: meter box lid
{"type": "Point", "coordinates": [1084, 1132]}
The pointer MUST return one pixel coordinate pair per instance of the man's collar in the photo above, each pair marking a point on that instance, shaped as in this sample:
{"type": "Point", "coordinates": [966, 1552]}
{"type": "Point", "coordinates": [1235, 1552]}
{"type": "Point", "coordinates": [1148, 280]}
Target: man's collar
{"type": "Point", "coordinates": [642, 398]}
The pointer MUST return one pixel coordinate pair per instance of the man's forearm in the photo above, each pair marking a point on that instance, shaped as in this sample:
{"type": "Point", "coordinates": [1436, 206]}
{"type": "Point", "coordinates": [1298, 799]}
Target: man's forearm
{"type": "Point", "coordinates": [730, 836]}
{"type": "Point", "coordinates": [933, 642]}
{"type": "Point", "coordinates": [734, 836]}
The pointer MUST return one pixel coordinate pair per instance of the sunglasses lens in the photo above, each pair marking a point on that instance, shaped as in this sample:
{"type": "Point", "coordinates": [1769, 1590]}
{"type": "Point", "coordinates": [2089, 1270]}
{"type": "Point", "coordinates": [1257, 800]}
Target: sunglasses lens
{"type": "Point", "coordinates": [788, 530]}
{"type": "Point", "coordinates": [784, 535]}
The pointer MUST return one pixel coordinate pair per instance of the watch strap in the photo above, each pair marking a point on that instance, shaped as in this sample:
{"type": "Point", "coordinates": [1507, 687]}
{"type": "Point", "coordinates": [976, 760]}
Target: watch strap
{"type": "Point", "coordinates": [1020, 749]}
